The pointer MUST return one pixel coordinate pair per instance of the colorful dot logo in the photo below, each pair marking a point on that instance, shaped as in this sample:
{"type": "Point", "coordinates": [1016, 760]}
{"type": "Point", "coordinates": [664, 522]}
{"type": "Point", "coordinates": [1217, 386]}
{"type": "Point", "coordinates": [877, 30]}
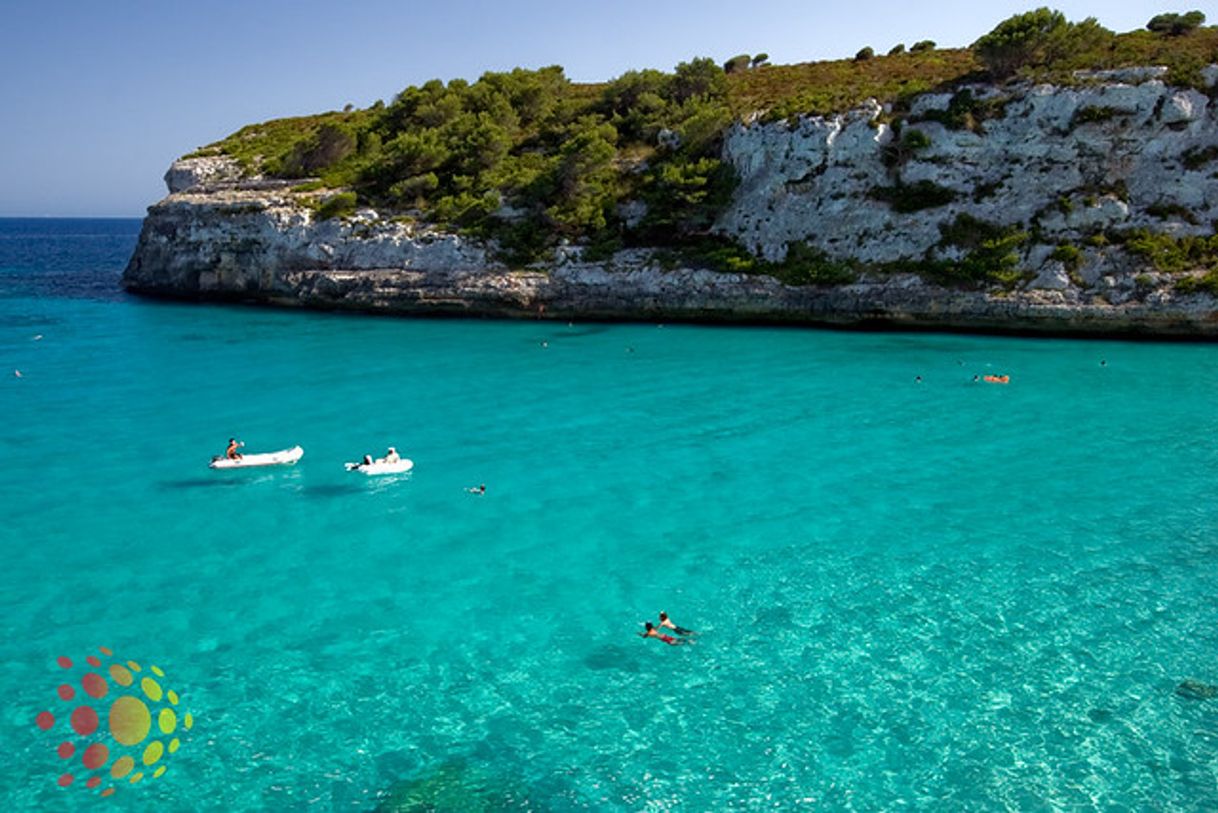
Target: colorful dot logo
{"type": "Point", "coordinates": [114, 722]}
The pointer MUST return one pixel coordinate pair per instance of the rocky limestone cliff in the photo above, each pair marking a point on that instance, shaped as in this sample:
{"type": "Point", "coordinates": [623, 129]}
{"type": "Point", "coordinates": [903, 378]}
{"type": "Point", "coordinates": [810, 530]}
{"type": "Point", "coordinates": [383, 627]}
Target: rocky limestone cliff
{"type": "Point", "coordinates": [1121, 151]}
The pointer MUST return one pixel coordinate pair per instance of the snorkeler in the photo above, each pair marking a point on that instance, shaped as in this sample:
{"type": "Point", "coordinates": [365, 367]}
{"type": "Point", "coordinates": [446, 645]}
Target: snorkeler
{"type": "Point", "coordinates": [667, 622]}
{"type": "Point", "coordinates": [652, 632]}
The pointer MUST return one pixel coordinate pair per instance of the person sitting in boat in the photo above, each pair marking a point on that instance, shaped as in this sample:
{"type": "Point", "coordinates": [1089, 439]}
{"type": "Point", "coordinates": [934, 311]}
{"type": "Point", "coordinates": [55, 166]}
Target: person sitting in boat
{"type": "Point", "coordinates": [367, 460]}
{"type": "Point", "coordinates": [231, 452]}
{"type": "Point", "coordinates": [391, 456]}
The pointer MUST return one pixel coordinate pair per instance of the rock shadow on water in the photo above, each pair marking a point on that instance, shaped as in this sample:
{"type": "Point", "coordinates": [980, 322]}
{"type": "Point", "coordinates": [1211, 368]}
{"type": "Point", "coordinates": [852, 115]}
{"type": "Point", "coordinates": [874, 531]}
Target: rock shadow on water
{"type": "Point", "coordinates": [613, 656]}
{"type": "Point", "coordinates": [454, 785]}
{"type": "Point", "coordinates": [1196, 690]}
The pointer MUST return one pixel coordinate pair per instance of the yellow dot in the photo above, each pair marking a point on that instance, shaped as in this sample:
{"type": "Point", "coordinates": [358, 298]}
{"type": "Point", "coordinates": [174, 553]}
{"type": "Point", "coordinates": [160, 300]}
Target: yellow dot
{"type": "Point", "coordinates": [129, 720]}
{"type": "Point", "coordinates": [151, 688]}
{"type": "Point", "coordinates": [153, 752]}
{"type": "Point", "coordinates": [188, 721]}
{"type": "Point", "coordinates": [133, 666]}
{"type": "Point", "coordinates": [156, 670]}
{"type": "Point", "coordinates": [158, 771]}
{"type": "Point", "coordinates": [173, 696]}
{"type": "Point", "coordinates": [120, 674]}
{"type": "Point", "coordinates": [121, 767]}
{"type": "Point", "coordinates": [135, 778]}
{"type": "Point", "coordinates": [167, 721]}
{"type": "Point", "coordinates": [174, 745]}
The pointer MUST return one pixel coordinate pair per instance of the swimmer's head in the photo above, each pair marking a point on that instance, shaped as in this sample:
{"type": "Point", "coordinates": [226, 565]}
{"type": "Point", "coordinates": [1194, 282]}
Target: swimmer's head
{"type": "Point", "coordinates": [663, 615]}
{"type": "Point", "coordinates": [648, 626]}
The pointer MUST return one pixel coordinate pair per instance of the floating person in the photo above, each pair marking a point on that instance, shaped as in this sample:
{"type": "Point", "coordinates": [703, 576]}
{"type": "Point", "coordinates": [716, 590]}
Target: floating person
{"type": "Point", "coordinates": [480, 489]}
{"type": "Point", "coordinates": [976, 379]}
{"type": "Point", "coordinates": [545, 344]}
{"type": "Point", "coordinates": [652, 632]}
{"type": "Point", "coordinates": [997, 379]}
{"type": "Point", "coordinates": [231, 452]}
{"type": "Point", "coordinates": [917, 379]}
{"type": "Point", "coordinates": [17, 373]}
{"type": "Point", "coordinates": [667, 623]}
{"type": "Point", "coordinates": [38, 337]}
{"type": "Point", "coordinates": [1103, 363]}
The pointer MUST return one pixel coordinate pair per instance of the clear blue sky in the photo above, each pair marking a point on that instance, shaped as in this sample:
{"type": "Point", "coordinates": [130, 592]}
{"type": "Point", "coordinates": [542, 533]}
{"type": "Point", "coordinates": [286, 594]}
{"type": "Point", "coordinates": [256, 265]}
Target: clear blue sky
{"type": "Point", "coordinates": [99, 97]}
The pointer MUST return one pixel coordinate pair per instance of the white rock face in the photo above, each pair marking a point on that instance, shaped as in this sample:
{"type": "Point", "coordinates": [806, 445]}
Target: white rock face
{"type": "Point", "coordinates": [190, 173]}
{"type": "Point", "coordinates": [1064, 163]}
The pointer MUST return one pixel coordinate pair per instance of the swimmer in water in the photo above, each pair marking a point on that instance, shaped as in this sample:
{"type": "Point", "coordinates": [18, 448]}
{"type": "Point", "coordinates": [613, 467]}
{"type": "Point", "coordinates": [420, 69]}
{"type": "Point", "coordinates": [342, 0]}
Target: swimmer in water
{"type": "Point", "coordinates": [667, 623]}
{"type": "Point", "coordinates": [652, 632]}
{"type": "Point", "coordinates": [477, 489]}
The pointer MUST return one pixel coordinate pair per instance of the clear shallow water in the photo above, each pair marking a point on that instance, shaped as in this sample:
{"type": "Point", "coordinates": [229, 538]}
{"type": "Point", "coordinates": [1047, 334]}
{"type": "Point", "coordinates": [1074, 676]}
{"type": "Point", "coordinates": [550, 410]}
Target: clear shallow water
{"type": "Point", "coordinates": [922, 596]}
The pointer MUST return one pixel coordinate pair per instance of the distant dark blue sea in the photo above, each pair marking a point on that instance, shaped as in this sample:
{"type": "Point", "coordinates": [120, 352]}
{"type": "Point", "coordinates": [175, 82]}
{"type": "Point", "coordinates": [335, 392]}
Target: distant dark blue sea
{"type": "Point", "coordinates": [934, 595]}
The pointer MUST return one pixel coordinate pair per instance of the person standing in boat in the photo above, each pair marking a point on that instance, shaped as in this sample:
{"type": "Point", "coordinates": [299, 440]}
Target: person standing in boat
{"type": "Point", "coordinates": [231, 452]}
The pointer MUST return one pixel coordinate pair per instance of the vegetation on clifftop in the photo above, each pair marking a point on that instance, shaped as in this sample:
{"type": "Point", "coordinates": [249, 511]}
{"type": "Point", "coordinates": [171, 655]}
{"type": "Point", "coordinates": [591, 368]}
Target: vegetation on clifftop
{"type": "Point", "coordinates": [530, 159]}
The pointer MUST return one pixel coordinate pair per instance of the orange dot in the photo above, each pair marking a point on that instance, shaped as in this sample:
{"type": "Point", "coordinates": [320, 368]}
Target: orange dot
{"type": "Point", "coordinates": [96, 755]}
{"type": "Point", "coordinates": [120, 674]}
{"type": "Point", "coordinates": [93, 661]}
{"type": "Point", "coordinates": [84, 720]}
{"type": "Point", "coordinates": [129, 720]}
{"type": "Point", "coordinates": [44, 720]}
{"type": "Point", "coordinates": [64, 663]}
{"type": "Point", "coordinates": [105, 650]}
{"type": "Point", "coordinates": [66, 750]}
{"type": "Point", "coordinates": [93, 782]}
{"type": "Point", "coordinates": [94, 685]}
{"type": "Point", "coordinates": [121, 767]}
{"type": "Point", "coordinates": [108, 792]}
{"type": "Point", "coordinates": [66, 780]}
{"type": "Point", "coordinates": [66, 692]}
{"type": "Point", "coordinates": [133, 666]}
{"type": "Point", "coordinates": [136, 777]}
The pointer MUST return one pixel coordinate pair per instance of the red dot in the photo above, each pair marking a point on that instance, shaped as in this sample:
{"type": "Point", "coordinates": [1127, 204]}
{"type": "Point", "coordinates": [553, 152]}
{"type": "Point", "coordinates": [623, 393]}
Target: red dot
{"type": "Point", "coordinates": [95, 756]}
{"type": "Point", "coordinates": [84, 720]}
{"type": "Point", "coordinates": [94, 685]}
{"type": "Point", "coordinates": [66, 780]}
{"type": "Point", "coordinates": [66, 692]}
{"type": "Point", "coordinates": [44, 720]}
{"type": "Point", "coordinates": [93, 661]}
{"type": "Point", "coordinates": [93, 782]}
{"type": "Point", "coordinates": [65, 663]}
{"type": "Point", "coordinates": [66, 750]}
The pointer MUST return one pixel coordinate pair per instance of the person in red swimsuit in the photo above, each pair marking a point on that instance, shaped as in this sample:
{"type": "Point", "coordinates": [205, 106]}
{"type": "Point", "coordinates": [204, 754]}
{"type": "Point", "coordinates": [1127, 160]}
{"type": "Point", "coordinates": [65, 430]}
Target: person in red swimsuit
{"type": "Point", "coordinates": [652, 632]}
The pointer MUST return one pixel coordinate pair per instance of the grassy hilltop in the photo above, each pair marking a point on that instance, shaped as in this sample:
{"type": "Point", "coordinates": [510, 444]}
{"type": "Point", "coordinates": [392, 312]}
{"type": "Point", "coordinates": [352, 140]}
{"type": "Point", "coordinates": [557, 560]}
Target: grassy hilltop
{"type": "Point", "coordinates": [528, 158]}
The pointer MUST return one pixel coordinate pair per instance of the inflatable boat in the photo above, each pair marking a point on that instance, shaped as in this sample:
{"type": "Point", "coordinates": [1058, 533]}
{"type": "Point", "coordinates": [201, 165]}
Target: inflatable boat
{"type": "Point", "coordinates": [286, 457]}
{"type": "Point", "coordinates": [400, 467]}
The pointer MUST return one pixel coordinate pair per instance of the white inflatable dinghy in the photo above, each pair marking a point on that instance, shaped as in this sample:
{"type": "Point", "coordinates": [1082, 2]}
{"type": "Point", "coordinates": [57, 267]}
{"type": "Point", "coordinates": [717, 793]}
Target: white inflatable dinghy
{"type": "Point", "coordinates": [286, 457]}
{"type": "Point", "coordinates": [400, 467]}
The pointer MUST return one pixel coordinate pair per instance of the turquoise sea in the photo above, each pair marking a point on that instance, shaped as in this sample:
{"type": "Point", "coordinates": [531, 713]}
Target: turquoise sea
{"type": "Point", "coordinates": [930, 596]}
